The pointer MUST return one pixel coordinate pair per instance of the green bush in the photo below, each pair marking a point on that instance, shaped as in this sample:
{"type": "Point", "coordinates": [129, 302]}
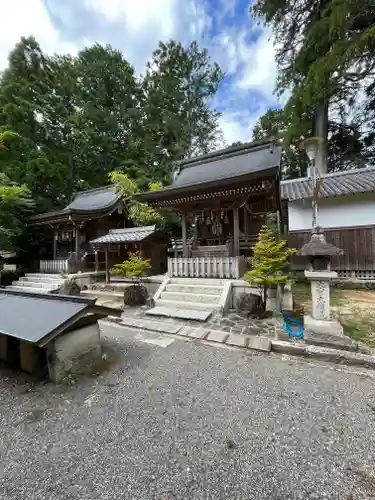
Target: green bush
{"type": "Point", "coordinates": [269, 263]}
{"type": "Point", "coordinates": [135, 268]}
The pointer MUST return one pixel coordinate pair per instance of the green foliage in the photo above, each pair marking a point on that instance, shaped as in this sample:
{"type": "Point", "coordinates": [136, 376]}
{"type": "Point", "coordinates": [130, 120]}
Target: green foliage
{"type": "Point", "coordinates": [325, 55]}
{"type": "Point", "coordinates": [15, 204]}
{"type": "Point", "coordinates": [135, 268]}
{"type": "Point", "coordinates": [346, 147]}
{"type": "Point", "coordinates": [179, 122]}
{"type": "Point", "coordinates": [79, 118]}
{"type": "Point", "coordinates": [139, 213]}
{"type": "Point", "coordinates": [269, 263]}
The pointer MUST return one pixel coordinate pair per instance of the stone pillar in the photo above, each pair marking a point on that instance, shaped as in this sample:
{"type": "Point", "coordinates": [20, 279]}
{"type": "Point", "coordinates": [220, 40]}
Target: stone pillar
{"type": "Point", "coordinates": [320, 320]}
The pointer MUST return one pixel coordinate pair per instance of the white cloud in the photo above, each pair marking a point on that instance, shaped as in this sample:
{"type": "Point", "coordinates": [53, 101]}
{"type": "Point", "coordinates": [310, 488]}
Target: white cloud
{"type": "Point", "coordinates": [136, 26]}
{"type": "Point", "coordinates": [23, 18]}
{"type": "Point", "coordinates": [238, 125]}
{"type": "Point", "coordinates": [259, 66]}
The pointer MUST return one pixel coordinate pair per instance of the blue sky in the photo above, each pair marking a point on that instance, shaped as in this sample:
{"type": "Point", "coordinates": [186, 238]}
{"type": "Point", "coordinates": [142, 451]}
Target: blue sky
{"type": "Point", "coordinates": [244, 50]}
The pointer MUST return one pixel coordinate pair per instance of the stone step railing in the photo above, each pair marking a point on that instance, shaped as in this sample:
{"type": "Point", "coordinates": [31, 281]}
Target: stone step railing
{"type": "Point", "coordinates": [206, 267]}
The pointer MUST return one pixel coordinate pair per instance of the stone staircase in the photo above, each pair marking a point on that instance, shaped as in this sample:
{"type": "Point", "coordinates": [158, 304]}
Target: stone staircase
{"type": "Point", "coordinates": [37, 283]}
{"type": "Point", "coordinates": [191, 298]}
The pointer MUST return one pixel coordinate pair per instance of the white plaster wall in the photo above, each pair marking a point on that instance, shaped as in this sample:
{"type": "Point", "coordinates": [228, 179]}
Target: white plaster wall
{"type": "Point", "coordinates": [344, 211]}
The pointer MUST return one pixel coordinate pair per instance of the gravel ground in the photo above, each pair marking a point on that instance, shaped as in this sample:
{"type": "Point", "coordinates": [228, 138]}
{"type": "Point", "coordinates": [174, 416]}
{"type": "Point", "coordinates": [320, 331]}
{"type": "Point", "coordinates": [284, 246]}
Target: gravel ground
{"type": "Point", "coordinates": [189, 421]}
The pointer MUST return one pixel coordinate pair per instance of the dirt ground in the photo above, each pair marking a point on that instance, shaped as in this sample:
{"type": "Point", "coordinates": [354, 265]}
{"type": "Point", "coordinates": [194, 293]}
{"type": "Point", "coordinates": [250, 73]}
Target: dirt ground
{"type": "Point", "coordinates": [355, 309]}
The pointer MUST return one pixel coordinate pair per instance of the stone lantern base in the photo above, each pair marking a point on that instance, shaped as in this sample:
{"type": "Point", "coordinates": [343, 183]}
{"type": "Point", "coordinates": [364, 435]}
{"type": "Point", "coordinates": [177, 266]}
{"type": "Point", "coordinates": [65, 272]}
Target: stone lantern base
{"type": "Point", "coordinates": [320, 321]}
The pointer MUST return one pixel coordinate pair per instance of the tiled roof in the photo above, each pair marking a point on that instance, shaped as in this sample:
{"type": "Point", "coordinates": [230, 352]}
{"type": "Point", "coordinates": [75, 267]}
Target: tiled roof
{"type": "Point", "coordinates": [130, 234]}
{"type": "Point", "coordinates": [92, 201]}
{"type": "Point", "coordinates": [334, 184]}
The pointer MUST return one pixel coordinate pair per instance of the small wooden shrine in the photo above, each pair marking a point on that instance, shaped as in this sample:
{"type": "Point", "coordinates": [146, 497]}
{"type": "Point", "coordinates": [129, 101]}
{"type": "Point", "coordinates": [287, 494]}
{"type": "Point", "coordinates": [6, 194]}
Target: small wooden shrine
{"type": "Point", "coordinates": [223, 198]}
{"type": "Point", "coordinates": [89, 215]}
{"type": "Point", "coordinates": [93, 232]}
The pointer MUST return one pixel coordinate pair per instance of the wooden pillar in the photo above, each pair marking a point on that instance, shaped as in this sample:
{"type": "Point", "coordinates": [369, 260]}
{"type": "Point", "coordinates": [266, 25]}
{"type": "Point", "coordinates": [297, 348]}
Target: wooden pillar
{"type": "Point", "coordinates": [246, 223]}
{"type": "Point", "coordinates": [96, 261]}
{"type": "Point", "coordinates": [184, 235]}
{"type": "Point", "coordinates": [78, 242]}
{"type": "Point", "coordinates": [77, 249]}
{"type": "Point", "coordinates": [54, 244]}
{"type": "Point", "coordinates": [106, 266]}
{"type": "Point", "coordinates": [236, 233]}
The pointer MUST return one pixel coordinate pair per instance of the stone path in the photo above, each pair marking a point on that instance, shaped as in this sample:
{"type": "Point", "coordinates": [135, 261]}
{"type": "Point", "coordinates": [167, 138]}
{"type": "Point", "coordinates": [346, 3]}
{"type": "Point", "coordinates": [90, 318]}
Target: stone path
{"type": "Point", "coordinates": [233, 323]}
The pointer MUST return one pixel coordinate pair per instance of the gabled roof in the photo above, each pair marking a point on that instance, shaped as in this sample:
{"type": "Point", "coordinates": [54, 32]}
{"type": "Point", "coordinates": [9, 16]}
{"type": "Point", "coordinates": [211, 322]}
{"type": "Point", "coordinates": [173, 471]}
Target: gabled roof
{"type": "Point", "coordinates": [130, 234]}
{"type": "Point", "coordinates": [37, 318]}
{"type": "Point", "coordinates": [335, 184]}
{"type": "Point", "coordinates": [91, 202]}
{"type": "Point", "coordinates": [222, 167]}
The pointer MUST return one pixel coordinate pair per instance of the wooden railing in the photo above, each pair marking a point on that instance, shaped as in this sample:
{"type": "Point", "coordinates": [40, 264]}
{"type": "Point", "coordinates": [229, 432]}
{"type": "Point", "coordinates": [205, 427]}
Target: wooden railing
{"type": "Point", "coordinates": [207, 267]}
{"type": "Point", "coordinates": [54, 266]}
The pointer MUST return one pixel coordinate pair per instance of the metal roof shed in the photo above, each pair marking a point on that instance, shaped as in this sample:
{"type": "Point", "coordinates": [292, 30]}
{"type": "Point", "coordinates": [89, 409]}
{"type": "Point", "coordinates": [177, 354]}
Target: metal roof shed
{"type": "Point", "coordinates": [64, 328]}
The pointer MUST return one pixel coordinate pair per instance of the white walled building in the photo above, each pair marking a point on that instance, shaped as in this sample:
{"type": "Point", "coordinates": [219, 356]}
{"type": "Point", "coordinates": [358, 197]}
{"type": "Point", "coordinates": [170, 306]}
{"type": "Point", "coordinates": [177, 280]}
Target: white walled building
{"type": "Point", "coordinates": [346, 211]}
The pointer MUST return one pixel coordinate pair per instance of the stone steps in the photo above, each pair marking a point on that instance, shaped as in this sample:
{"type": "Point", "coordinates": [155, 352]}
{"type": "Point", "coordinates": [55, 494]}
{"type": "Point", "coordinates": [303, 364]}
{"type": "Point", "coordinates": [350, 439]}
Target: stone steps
{"type": "Point", "coordinates": [190, 298]}
{"type": "Point", "coordinates": [37, 283]}
{"type": "Point", "coordinates": [198, 297]}
{"type": "Point", "coordinates": [41, 278]}
{"type": "Point", "coordinates": [25, 289]}
{"type": "Point", "coordinates": [198, 281]}
{"type": "Point", "coordinates": [191, 314]}
{"type": "Point", "coordinates": [194, 289]}
{"type": "Point", "coordinates": [182, 304]}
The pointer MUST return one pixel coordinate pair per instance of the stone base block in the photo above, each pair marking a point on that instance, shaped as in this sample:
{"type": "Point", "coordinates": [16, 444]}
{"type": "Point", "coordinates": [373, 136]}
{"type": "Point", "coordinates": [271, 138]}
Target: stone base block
{"type": "Point", "coordinates": [332, 327]}
{"type": "Point", "coordinates": [75, 352]}
{"type": "Point", "coordinates": [329, 340]}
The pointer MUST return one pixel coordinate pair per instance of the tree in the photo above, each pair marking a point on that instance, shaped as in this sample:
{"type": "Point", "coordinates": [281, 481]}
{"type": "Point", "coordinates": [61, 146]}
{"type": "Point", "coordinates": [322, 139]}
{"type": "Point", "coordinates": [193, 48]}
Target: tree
{"type": "Point", "coordinates": [325, 54]}
{"type": "Point", "coordinates": [79, 118]}
{"type": "Point", "coordinates": [346, 147]}
{"type": "Point", "coordinates": [108, 119]}
{"type": "Point", "coordinates": [269, 263]}
{"type": "Point", "coordinates": [139, 213]}
{"type": "Point", "coordinates": [15, 204]}
{"type": "Point", "coordinates": [273, 123]}
{"type": "Point", "coordinates": [179, 121]}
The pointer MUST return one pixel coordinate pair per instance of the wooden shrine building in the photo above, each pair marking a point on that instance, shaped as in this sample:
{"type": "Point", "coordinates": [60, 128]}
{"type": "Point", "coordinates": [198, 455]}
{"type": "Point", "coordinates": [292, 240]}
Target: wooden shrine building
{"type": "Point", "coordinates": [93, 232]}
{"type": "Point", "coordinates": [223, 198]}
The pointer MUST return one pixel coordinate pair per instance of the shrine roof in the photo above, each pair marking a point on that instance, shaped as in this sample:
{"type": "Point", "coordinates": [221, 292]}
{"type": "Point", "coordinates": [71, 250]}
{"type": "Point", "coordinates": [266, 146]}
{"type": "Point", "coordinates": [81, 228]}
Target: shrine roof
{"type": "Point", "coordinates": [97, 201]}
{"type": "Point", "coordinates": [223, 167]}
{"type": "Point", "coordinates": [125, 235]}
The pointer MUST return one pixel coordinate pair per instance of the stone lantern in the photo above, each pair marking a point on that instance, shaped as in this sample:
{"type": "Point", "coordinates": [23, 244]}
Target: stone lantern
{"type": "Point", "coordinates": [319, 253]}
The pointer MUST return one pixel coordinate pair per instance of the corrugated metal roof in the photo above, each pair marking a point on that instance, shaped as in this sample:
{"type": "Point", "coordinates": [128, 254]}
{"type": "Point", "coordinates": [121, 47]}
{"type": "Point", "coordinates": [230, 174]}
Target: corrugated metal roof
{"type": "Point", "coordinates": [130, 234]}
{"type": "Point", "coordinates": [334, 184]}
{"type": "Point", "coordinates": [31, 317]}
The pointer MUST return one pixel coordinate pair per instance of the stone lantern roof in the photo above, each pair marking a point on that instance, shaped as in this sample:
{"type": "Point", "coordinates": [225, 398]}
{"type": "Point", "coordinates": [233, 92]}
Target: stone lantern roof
{"type": "Point", "coordinates": [318, 247]}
